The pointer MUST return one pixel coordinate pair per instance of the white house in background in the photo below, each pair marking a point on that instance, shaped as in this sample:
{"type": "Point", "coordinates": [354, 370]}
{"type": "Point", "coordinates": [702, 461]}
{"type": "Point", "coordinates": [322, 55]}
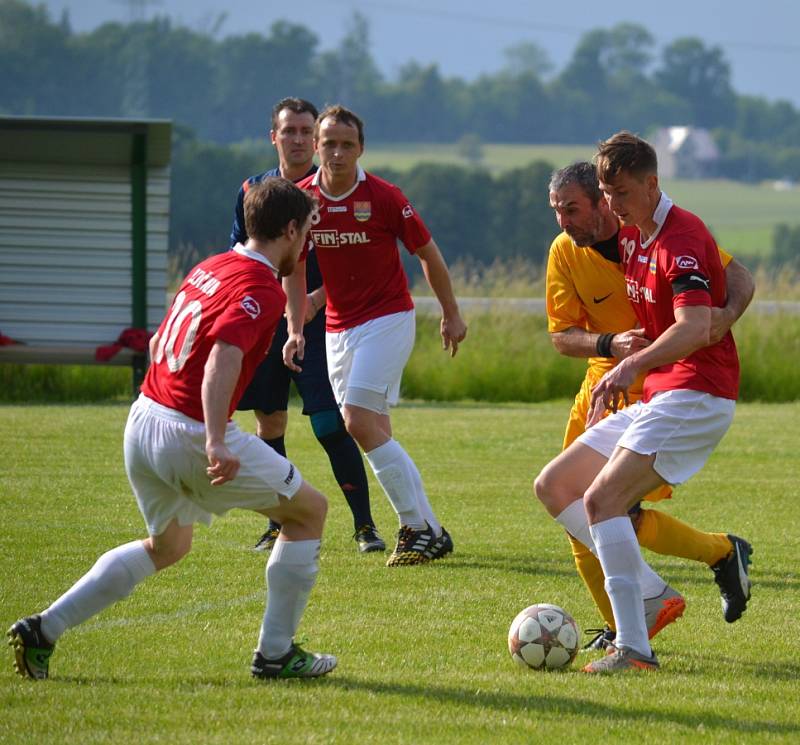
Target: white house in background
{"type": "Point", "coordinates": [685, 152]}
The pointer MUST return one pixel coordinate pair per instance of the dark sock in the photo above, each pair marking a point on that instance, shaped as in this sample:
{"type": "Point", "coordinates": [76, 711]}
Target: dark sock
{"type": "Point", "coordinates": [346, 463]}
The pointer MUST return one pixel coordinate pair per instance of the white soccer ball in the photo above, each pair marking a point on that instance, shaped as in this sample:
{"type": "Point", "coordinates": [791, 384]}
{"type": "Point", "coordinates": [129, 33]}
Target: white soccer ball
{"type": "Point", "coordinates": [543, 637]}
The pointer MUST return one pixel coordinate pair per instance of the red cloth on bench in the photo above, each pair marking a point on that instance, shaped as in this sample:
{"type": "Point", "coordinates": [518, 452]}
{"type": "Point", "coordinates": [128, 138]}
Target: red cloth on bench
{"type": "Point", "coordinates": [7, 341]}
{"type": "Point", "coordinates": [135, 339]}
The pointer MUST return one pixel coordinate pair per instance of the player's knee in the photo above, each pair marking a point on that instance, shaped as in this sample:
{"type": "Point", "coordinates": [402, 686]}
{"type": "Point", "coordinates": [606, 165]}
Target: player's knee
{"type": "Point", "coordinates": [328, 427]}
{"type": "Point", "coordinates": [545, 487]}
{"type": "Point", "coordinates": [166, 553]}
{"type": "Point", "coordinates": [271, 426]}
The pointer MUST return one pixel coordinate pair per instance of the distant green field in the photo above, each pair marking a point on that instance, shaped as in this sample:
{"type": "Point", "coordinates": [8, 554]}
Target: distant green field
{"type": "Point", "coordinates": [742, 216]}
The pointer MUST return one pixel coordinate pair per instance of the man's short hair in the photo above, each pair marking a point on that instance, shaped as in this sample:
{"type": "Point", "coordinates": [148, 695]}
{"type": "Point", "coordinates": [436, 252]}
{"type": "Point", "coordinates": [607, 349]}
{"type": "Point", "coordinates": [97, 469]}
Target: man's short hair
{"type": "Point", "coordinates": [297, 105]}
{"type": "Point", "coordinates": [583, 174]}
{"type": "Point", "coordinates": [271, 205]}
{"type": "Point", "coordinates": [340, 114]}
{"type": "Point", "coordinates": [624, 152]}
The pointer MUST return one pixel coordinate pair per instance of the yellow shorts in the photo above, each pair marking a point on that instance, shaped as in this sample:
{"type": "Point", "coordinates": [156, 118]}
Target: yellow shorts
{"type": "Point", "coordinates": [576, 424]}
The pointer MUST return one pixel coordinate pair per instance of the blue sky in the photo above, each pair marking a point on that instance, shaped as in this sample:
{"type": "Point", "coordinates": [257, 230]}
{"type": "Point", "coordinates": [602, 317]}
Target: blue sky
{"type": "Point", "coordinates": [467, 37]}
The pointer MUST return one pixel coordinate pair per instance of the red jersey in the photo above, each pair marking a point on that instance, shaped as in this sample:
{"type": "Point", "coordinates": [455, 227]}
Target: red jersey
{"type": "Point", "coordinates": [679, 266]}
{"type": "Point", "coordinates": [234, 297]}
{"type": "Point", "coordinates": [355, 237]}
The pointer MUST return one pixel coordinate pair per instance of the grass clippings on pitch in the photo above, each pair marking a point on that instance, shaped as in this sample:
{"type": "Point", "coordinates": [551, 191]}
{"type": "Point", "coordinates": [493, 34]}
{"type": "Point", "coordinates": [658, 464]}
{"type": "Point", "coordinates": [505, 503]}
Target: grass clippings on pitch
{"type": "Point", "coordinates": [422, 650]}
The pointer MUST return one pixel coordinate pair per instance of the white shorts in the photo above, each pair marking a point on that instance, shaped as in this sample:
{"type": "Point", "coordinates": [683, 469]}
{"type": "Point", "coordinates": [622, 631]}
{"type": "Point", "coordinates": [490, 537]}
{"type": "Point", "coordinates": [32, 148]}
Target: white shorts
{"type": "Point", "coordinates": [681, 427]}
{"type": "Point", "coordinates": [165, 459]}
{"type": "Point", "coordinates": [365, 363]}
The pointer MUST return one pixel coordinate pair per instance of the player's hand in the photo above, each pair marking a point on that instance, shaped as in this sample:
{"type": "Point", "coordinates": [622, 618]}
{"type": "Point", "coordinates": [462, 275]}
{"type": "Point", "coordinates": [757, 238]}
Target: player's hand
{"type": "Point", "coordinates": [295, 347]}
{"type": "Point", "coordinates": [453, 331]}
{"type": "Point", "coordinates": [721, 321]}
{"type": "Point", "coordinates": [625, 344]}
{"type": "Point", "coordinates": [611, 392]}
{"type": "Point", "coordinates": [223, 465]}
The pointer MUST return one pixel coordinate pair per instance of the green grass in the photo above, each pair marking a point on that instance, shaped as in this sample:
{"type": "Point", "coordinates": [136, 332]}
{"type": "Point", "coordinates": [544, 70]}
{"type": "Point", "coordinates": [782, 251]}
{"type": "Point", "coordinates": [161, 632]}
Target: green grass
{"type": "Point", "coordinates": [742, 216]}
{"type": "Point", "coordinates": [422, 650]}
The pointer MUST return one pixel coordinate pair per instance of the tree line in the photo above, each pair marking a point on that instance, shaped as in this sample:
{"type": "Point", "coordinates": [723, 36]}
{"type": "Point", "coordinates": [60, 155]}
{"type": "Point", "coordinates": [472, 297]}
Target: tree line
{"type": "Point", "coordinates": [223, 87]}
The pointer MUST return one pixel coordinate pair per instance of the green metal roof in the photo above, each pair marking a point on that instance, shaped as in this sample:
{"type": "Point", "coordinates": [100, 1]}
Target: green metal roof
{"type": "Point", "coordinates": [82, 140]}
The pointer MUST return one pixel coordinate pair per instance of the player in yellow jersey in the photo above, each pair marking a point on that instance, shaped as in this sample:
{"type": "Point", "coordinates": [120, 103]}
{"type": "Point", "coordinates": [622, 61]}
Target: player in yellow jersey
{"type": "Point", "coordinates": [589, 316]}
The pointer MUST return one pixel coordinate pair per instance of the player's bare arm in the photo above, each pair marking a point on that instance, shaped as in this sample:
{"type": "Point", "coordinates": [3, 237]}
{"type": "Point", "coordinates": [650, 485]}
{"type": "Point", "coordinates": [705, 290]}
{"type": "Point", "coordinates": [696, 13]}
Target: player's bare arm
{"type": "Point", "coordinates": [294, 285]}
{"type": "Point", "coordinates": [219, 381]}
{"type": "Point", "coordinates": [740, 287]}
{"type": "Point", "coordinates": [689, 333]}
{"type": "Point", "coordinates": [452, 328]}
{"type": "Point", "coordinates": [578, 342]}
{"type": "Point", "coordinates": [315, 302]}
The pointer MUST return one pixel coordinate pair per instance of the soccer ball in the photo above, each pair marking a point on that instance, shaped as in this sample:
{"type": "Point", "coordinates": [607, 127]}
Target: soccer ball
{"type": "Point", "coordinates": [543, 637]}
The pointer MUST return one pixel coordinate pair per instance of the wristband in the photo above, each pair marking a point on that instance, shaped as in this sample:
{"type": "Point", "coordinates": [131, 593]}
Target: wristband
{"type": "Point", "coordinates": [603, 345]}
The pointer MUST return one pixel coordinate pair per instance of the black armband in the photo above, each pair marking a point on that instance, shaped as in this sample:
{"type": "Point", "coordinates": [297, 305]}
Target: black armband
{"type": "Point", "coordinates": [690, 281]}
{"type": "Point", "coordinates": [603, 345]}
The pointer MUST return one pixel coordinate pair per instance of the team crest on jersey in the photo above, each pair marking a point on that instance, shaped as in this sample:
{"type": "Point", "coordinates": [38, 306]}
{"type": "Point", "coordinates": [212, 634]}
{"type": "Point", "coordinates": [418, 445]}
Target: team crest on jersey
{"type": "Point", "coordinates": [362, 211]}
{"type": "Point", "coordinates": [251, 307]}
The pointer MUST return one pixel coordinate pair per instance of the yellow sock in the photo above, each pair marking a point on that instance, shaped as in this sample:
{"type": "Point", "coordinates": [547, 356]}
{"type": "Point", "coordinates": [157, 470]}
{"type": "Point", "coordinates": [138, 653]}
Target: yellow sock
{"type": "Point", "coordinates": [592, 575]}
{"type": "Point", "coordinates": [667, 535]}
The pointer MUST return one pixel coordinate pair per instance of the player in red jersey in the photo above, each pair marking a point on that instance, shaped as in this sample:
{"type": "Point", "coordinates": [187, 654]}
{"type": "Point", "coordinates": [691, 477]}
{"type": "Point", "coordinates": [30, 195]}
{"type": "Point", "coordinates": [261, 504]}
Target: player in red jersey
{"type": "Point", "coordinates": [674, 277]}
{"type": "Point", "coordinates": [370, 315]}
{"type": "Point", "coordinates": [186, 460]}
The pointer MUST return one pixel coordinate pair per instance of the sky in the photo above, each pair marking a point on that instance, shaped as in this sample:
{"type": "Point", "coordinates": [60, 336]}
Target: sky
{"type": "Point", "coordinates": [468, 37]}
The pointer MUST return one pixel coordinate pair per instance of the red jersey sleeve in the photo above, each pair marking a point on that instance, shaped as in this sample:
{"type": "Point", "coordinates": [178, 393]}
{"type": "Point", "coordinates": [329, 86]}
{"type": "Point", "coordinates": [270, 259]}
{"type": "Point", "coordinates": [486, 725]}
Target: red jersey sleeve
{"type": "Point", "coordinates": [407, 224]}
{"type": "Point", "coordinates": [685, 268]}
{"type": "Point", "coordinates": [247, 315]}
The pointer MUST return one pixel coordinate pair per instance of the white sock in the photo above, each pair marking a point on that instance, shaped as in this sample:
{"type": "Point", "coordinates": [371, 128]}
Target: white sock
{"type": "Point", "coordinates": [573, 519]}
{"type": "Point", "coordinates": [395, 473]}
{"type": "Point", "coordinates": [112, 578]}
{"type": "Point", "coordinates": [423, 504]}
{"type": "Point", "coordinates": [291, 573]}
{"type": "Point", "coordinates": [621, 559]}
{"type": "Point", "coordinates": [575, 522]}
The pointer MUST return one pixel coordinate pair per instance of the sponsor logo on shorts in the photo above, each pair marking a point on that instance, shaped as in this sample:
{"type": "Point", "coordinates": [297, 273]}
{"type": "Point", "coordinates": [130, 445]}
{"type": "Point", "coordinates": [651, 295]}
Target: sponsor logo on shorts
{"type": "Point", "coordinates": [288, 480]}
{"type": "Point", "coordinates": [251, 307]}
{"type": "Point", "coordinates": [702, 280]}
{"type": "Point", "coordinates": [362, 211]}
{"type": "Point", "coordinates": [686, 262]}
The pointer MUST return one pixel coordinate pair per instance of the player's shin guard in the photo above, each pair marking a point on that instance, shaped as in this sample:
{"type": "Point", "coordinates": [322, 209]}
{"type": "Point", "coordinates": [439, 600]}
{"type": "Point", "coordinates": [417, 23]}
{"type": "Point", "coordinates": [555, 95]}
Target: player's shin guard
{"type": "Point", "coordinates": [621, 559]}
{"type": "Point", "coordinates": [291, 574]}
{"type": "Point", "coordinates": [591, 572]}
{"type": "Point", "coordinates": [391, 466]}
{"type": "Point", "coordinates": [112, 578]}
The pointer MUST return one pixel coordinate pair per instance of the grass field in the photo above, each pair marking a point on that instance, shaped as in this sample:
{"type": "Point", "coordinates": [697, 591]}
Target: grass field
{"type": "Point", "coordinates": [422, 650]}
{"type": "Point", "coordinates": [742, 216]}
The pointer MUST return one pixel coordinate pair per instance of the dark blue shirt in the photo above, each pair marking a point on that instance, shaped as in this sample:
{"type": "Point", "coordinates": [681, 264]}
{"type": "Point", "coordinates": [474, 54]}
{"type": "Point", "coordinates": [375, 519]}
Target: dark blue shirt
{"type": "Point", "coordinates": [239, 234]}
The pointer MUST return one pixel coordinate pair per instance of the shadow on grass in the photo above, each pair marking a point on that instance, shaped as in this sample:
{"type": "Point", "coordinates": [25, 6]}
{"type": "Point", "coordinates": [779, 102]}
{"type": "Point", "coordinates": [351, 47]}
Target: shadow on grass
{"type": "Point", "coordinates": [528, 703]}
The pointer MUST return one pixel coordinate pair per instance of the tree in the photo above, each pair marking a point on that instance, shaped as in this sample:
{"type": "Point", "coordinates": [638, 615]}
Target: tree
{"type": "Point", "coordinates": [527, 58]}
{"type": "Point", "coordinates": [701, 76]}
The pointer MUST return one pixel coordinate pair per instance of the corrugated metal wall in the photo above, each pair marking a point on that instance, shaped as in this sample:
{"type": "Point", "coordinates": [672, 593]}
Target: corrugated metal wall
{"type": "Point", "coordinates": [65, 251]}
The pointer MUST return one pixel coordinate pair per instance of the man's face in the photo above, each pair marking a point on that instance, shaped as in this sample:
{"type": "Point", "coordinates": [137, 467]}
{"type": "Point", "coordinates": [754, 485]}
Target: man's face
{"type": "Point", "coordinates": [631, 198]}
{"type": "Point", "coordinates": [338, 148]}
{"type": "Point", "coordinates": [293, 137]}
{"type": "Point", "coordinates": [297, 238]}
{"type": "Point", "coordinates": [576, 214]}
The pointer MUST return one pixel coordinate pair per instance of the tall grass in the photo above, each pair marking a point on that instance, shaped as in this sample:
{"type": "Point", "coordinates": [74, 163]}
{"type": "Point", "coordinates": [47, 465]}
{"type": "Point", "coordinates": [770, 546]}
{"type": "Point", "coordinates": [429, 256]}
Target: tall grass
{"type": "Point", "coordinates": [506, 357]}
